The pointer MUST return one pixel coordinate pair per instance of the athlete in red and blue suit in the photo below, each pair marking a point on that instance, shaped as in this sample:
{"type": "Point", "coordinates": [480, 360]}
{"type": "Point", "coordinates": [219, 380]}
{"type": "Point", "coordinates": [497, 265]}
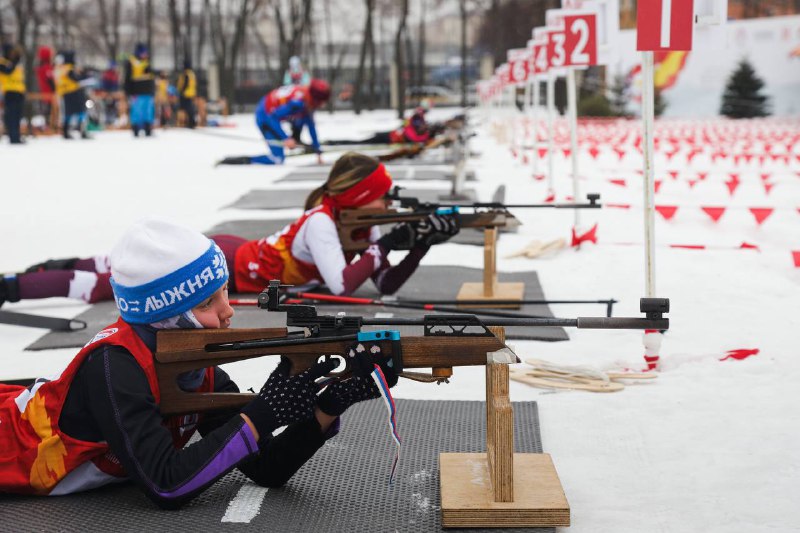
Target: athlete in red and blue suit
{"type": "Point", "coordinates": [291, 103]}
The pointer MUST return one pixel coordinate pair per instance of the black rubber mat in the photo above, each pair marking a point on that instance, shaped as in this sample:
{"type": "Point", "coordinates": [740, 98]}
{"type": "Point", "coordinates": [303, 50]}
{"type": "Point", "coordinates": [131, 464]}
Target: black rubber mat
{"type": "Point", "coordinates": [296, 198]}
{"type": "Point", "coordinates": [434, 282]}
{"type": "Point", "coordinates": [425, 172]}
{"type": "Point", "coordinates": [343, 488]}
{"type": "Point", "coordinates": [257, 229]}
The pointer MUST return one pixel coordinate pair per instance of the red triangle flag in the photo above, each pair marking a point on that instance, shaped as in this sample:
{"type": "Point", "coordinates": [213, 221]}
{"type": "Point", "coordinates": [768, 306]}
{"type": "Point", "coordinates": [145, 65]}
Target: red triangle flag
{"type": "Point", "coordinates": [734, 177]}
{"type": "Point", "coordinates": [619, 182]}
{"type": "Point", "coordinates": [590, 236]}
{"type": "Point", "coordinates": [657, 185]}
{"type": "Point", "coordinates": [741, 353]}
{"type": "Point", "coordinates": [673, 174]}
{"type": "Point", "coordinates": [567, 151]}
{"type": "Point", "coordinates": [748, 246]}
{"type": "Point", "coordinates": [732, 186]}
{"type": "Point", "coordinates": [714, 212]}
{"type": "Point", "coordinates": [796, 258]}
{"type": "Point", "coordinates": [702, 175]}
{"type": "Point", "coordinates": [542, 152]}
{"type": "Point", "coordinates": [761, 213]}
{"type": "Point", "coordinates": [691, 183]}
{"type": "Point", "coordinates": [768, 187]}
{"type": "Point", "coordinates": [667, 211]}
{"type": "Point", "coordinates": [538, 177]}
{"type": "Point", "coordinates": [594, 152]}
{"type": "Point", "coordinates": [765, 177]}
{"type": "Point", "coordinates": [551, 197]}
{"type": "Point", "coordinates": [620, 153]}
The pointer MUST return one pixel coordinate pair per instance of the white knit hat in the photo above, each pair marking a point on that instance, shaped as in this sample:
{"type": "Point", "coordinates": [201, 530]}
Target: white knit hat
{"type": "Point", "coordinates": [160, 270]}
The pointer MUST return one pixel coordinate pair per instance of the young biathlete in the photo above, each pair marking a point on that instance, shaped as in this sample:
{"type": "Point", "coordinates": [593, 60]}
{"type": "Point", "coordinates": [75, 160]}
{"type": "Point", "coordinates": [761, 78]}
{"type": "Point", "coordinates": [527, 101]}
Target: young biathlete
{"type": "Point", "coordinates": [294, 104]}
{"type": "Point", "coordinates": [414, 130]}
{"type": "Point", "coordinates": [307, 251]}
{"type": "Point", "coordinates": [99, 421]}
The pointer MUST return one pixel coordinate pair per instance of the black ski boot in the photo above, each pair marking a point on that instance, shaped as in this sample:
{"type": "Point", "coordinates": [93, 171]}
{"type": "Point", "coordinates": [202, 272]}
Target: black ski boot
{"type": "Point", "coordinates": [65, 132]}
{"type": "Point", "coordinates": [240, 160]}
{"type": "Point", "coordinates": [9, 290]}
{"type": "Point", "coordinates": [148, 131]}
{"type": "Point", "coordinates": [135, 130]}
{"type": "Point", "coordinates": [53, 264]}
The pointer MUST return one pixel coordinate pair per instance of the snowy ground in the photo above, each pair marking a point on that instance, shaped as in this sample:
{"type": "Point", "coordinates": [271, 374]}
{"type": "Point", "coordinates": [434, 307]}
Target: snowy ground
{"type": "Point", "coordinates": [709, 446]}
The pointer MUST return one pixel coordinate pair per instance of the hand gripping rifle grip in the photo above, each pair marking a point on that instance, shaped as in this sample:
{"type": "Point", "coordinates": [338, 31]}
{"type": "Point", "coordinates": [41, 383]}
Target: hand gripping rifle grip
{"type": "Point", "coordinates": [391, 335]}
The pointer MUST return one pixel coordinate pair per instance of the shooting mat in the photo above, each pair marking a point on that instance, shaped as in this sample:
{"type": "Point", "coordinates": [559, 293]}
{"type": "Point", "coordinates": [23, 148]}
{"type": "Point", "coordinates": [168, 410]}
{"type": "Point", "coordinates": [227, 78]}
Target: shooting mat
{"type": "Point", "coordinates": [296, 198]}
{"type": "Point", "coordinates": [423, 171]}
{"type": "Point", "coordinates": [433, 282]}
{"type": "Point", "coordinates": [343, 488]}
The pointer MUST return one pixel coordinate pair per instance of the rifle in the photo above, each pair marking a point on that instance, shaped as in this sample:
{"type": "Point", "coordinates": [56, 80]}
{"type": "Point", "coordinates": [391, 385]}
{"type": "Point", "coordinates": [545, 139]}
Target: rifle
{"type": "Point", "coordinates": [447, 341]}
{"type": "Point", "coordinates": [483, 215]}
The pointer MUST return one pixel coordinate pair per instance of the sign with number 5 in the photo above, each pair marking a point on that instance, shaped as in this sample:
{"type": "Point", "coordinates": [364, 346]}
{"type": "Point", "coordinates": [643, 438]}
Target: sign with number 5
{"type": "Point", "coordinates": [580, 40]}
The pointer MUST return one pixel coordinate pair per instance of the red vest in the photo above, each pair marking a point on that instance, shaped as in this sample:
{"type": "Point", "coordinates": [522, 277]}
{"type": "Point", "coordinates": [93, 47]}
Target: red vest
{"type": "Point", "coordinates": [35, 455]}
{"type": "Point", "coordinates": [285, 94]}
{"type": "Point", "coordinates": [269, 258]}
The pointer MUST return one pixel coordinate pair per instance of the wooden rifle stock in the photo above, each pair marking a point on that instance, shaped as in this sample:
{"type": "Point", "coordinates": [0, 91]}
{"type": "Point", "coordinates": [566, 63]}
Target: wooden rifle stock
{"type": "Point", "coordinates": [351, 220]}
{"type": "Point", "coordinates": [179, 351]}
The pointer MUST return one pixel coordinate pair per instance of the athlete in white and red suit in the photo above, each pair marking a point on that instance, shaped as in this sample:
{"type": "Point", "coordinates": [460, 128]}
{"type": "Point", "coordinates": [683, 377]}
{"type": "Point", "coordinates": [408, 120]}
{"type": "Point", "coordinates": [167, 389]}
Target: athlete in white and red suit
{"type": "Point", "coordinates": [99, 421]}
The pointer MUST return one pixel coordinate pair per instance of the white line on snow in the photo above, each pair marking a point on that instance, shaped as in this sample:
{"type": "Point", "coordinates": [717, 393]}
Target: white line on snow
{"type": "Point", "coordinates": [246, 504]}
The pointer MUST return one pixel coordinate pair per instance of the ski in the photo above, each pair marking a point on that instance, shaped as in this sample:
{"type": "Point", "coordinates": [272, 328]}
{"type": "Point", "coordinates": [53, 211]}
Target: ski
{"type": "Point", "coordinates": [37, 321]}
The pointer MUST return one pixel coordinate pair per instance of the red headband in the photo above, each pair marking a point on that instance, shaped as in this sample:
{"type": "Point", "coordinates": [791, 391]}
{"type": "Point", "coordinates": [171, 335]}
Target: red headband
{"type": "Point", "coordinates": [374, 186]}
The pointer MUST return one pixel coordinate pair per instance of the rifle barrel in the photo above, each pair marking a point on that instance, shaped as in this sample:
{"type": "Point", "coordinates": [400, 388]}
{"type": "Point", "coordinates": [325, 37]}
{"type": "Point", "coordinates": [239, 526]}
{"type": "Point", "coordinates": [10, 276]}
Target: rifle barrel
{"type": "Point", "coordinates": [580, 323]}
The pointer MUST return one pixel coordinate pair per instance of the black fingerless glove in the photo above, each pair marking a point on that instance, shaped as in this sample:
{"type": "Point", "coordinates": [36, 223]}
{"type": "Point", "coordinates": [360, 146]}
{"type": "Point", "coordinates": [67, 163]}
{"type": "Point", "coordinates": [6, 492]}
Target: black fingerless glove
{"type": "Point", "coordinates": [286, 399]}
{"type": "Point", "coordinates": [400, 237]}
{"type": "Point", "coordinates": [340, 395]}
{"type": "Point", "coordinates": [435, 229]}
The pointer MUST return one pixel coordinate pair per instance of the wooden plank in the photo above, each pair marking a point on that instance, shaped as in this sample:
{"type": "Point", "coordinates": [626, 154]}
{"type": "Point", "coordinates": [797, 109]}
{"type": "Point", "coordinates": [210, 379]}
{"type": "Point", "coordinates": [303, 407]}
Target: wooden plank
{"type": "Point", "coordinates": [502, 291]}
{"type": "Point", "coordinates": [468, 501]}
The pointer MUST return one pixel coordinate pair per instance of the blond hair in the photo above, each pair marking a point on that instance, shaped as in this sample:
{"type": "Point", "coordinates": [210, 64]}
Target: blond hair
{"type": "Point", "coordinates": [348, 170]}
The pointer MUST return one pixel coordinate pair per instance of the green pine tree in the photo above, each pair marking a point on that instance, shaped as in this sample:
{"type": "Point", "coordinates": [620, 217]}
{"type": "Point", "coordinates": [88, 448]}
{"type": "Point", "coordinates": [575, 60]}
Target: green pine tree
{"type": "Point", "coordinates": [742, 97]}
{"type": "Point", "coordinates": [620, 96]}
{"type": "Point", "coordinates": [659, 104]}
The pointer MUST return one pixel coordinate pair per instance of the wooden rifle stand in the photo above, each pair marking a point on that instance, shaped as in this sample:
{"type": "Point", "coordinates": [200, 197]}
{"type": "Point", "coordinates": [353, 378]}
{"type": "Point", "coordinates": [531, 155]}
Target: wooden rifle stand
{"type": "Point", "coordinates": [500, 488]}
{"type": "Point", "coordinates": [491, 289]}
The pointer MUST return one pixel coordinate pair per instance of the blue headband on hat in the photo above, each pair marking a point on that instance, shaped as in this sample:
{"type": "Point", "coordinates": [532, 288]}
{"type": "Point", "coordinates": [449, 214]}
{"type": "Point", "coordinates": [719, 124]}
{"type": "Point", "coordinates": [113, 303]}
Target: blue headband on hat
{"type": "Point", "coordinates": [171, 295]}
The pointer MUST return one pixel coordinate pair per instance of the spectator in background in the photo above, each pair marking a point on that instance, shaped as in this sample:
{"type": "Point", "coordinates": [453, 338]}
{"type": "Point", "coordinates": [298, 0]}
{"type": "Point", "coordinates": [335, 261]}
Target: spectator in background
{"type": "Point", "coordinates": [47, 84]}
{"type": "Point", "coordinates": [69, 89]}
{"type": "Point", "coordinates": [296, 74]}
{"type": "Point", "coordinates": [109, 84]}
{"type": "Point", "coordinates": [163, 108]}
{"type": "Point", "coordinates": [187, 92]}
{"type": "Point", "coordinates": [12, 85]}
{"type": "Point", "coordinates": [140, 90]}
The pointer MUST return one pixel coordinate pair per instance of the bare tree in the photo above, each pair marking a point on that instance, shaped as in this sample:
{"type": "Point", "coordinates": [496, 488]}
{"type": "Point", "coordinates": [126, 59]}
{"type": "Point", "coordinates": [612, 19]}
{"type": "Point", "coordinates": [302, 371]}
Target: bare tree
{"type": "Point", "coordinates": [420, 77]}
{"type": "Point", "coordinates": [109, 25]}
{"type": "Point", "coordinates": [462, 7]}
{"type": "Point", "coordinates": [263, 45]}
{"type": "Point", "coordinates": [367, 38]}
{"type": "Point", "coordinates": [175, 28]}
{"type": "Point", "coordinates": [227, 32]}
{"type": "Point", "coordinates": [291, 28]}
{"type": "Point", "coordinates": [29, 22]}
{"type": "Point", "coordinates": [400, 60]}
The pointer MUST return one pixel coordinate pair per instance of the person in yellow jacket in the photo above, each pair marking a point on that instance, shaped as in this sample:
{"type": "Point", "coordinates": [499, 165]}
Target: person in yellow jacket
{"type": "Point", "coordinates": [187, 92]}
{"type": "Point", "coordinates": [140, 90]}
{"type": "Point", "coordinates": [12, 85]}
{"type": "Point", "coordinates": [69, 89]}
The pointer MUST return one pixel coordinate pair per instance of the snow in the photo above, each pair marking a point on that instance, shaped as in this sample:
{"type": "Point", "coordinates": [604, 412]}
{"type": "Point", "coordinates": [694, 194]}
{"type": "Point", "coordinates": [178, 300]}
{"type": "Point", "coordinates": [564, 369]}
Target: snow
{"type": "Point", "coordinates": [708, 446]}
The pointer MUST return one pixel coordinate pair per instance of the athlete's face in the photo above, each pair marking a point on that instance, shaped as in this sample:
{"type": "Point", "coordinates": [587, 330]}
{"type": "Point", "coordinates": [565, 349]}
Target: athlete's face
{"type": "Point", "coordinates": [216, 311]}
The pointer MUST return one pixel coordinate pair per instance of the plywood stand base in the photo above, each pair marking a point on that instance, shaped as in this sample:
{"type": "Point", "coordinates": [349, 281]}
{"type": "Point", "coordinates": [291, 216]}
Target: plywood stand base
{"type": "Point", "coordinates": [500, 488]}
{"type": "Point", "coordinates": [468, 501]}
{"type": "Point", "coordinates": [502, 291]}
{"type": "Point", "coordinates": [490, 289]}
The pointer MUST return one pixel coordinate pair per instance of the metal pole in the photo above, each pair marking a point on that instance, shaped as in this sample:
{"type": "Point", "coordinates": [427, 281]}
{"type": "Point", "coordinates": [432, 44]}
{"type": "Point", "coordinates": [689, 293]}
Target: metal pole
{"type": "Point", "coordinates": [535, 126]}
{"type": "Point", "coordinates": [648, 119]}
{"type": "Point", "coordinates": [572, 110]}
{"type": "Point", "coordinates": [551, 111]}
